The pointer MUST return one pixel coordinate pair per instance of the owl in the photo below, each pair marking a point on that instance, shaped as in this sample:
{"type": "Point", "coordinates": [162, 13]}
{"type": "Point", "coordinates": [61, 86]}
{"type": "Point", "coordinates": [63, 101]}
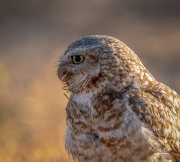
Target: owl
{"type": "Point", "coordinates": [117, 111]}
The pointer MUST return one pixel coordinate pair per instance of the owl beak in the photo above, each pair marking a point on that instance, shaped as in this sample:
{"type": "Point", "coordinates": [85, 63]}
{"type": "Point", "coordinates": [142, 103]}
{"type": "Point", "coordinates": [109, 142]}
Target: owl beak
{"type": "Point", "coordinates": [63, 75]}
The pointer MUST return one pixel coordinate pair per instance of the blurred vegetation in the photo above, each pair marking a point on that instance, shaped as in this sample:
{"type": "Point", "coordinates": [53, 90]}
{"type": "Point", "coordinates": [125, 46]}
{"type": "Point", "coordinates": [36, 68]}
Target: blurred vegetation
{"type": "Point", "coordinates": [29, 132]}
{"type": "Point", "coordinates": [3, 79]}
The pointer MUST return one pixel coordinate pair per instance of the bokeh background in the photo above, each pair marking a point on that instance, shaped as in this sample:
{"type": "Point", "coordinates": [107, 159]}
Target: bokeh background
{"type": "Point", "coordinates": [34, 34]}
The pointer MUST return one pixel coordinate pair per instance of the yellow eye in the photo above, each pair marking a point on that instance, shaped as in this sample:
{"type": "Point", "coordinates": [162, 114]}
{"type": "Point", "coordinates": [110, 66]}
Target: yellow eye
{"type": "Point", "coordinates": [77, 59]}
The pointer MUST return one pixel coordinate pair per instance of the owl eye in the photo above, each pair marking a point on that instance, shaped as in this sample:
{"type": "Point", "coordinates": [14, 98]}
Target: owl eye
{"type": "Point", "coordinates": [77, 59]}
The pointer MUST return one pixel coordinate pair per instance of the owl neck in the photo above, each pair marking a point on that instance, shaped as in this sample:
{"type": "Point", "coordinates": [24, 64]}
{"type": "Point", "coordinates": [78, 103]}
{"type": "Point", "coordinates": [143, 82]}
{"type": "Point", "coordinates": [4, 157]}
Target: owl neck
{"type": "Point", "coordinates": [106, 86]}
{"type": "Point", "coordinates": [115, 82]}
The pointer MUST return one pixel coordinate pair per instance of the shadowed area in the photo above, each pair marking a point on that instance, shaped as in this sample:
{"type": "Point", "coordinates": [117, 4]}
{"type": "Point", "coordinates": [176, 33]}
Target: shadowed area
{"type": "Point", "coordinates": [34, 34]}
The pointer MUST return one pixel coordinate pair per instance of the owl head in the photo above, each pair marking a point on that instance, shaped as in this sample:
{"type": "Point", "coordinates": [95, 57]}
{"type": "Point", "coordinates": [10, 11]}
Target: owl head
{"type": "Point", "coordinates": [95, 62]}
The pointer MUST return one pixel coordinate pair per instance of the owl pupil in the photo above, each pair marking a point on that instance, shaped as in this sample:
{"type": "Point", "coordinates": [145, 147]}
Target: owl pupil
{"type": "Point", "coordinates": [77, 58]}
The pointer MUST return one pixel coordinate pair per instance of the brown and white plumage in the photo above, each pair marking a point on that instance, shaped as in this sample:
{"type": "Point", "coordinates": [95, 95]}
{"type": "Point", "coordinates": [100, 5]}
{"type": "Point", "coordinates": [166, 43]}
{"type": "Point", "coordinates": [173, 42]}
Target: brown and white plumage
{"type": "Point", "coordinates": [124, 114]}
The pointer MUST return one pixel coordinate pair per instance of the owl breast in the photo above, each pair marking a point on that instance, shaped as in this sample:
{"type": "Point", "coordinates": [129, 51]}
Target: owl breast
{"type": "Point", "coordinates": [97, 132]}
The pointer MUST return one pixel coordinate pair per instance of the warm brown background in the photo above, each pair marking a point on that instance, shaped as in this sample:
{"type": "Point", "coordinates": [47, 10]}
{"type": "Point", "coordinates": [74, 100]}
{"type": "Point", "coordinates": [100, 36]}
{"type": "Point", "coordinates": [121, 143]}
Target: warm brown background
{"type": "Point", "coordinates": [34, 33]}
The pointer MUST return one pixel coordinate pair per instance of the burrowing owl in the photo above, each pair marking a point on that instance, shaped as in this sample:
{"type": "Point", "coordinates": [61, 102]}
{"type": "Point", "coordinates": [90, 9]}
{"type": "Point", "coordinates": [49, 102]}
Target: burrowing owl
{"type": "Point", "coordinates": [117, 111]}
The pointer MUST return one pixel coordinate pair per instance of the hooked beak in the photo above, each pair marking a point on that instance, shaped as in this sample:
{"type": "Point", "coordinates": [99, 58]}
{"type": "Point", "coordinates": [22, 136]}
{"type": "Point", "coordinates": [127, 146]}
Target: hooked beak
{"type": "Point", "coordinates": [64, 75]}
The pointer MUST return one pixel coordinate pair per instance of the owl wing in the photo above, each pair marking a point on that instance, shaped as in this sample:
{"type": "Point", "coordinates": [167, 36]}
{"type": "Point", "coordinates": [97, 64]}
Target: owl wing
{"type": "Point", "coordinates": [159, 108]}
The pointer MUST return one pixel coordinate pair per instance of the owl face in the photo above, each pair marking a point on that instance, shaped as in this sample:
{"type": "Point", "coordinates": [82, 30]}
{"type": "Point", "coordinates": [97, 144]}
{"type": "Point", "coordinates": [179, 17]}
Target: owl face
{"type": "Point", "coordinates": [77, 67]}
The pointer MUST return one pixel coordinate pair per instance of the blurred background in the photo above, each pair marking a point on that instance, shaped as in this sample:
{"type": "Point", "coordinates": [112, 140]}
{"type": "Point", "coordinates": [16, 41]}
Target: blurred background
{"type": "Point", "coordinates": [34, 34]}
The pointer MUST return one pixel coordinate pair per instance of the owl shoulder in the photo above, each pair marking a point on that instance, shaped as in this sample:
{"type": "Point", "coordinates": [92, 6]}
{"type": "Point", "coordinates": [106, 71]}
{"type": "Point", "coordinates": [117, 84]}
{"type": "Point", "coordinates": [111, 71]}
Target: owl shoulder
{"type": "Point", "coordinates": [155, 107]}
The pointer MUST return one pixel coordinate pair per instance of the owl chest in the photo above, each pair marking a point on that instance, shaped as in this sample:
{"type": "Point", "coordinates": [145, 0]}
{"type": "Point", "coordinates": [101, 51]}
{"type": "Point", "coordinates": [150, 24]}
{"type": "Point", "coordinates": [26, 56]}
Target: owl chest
{"type": "Point", "coordinates": [118, 138]}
